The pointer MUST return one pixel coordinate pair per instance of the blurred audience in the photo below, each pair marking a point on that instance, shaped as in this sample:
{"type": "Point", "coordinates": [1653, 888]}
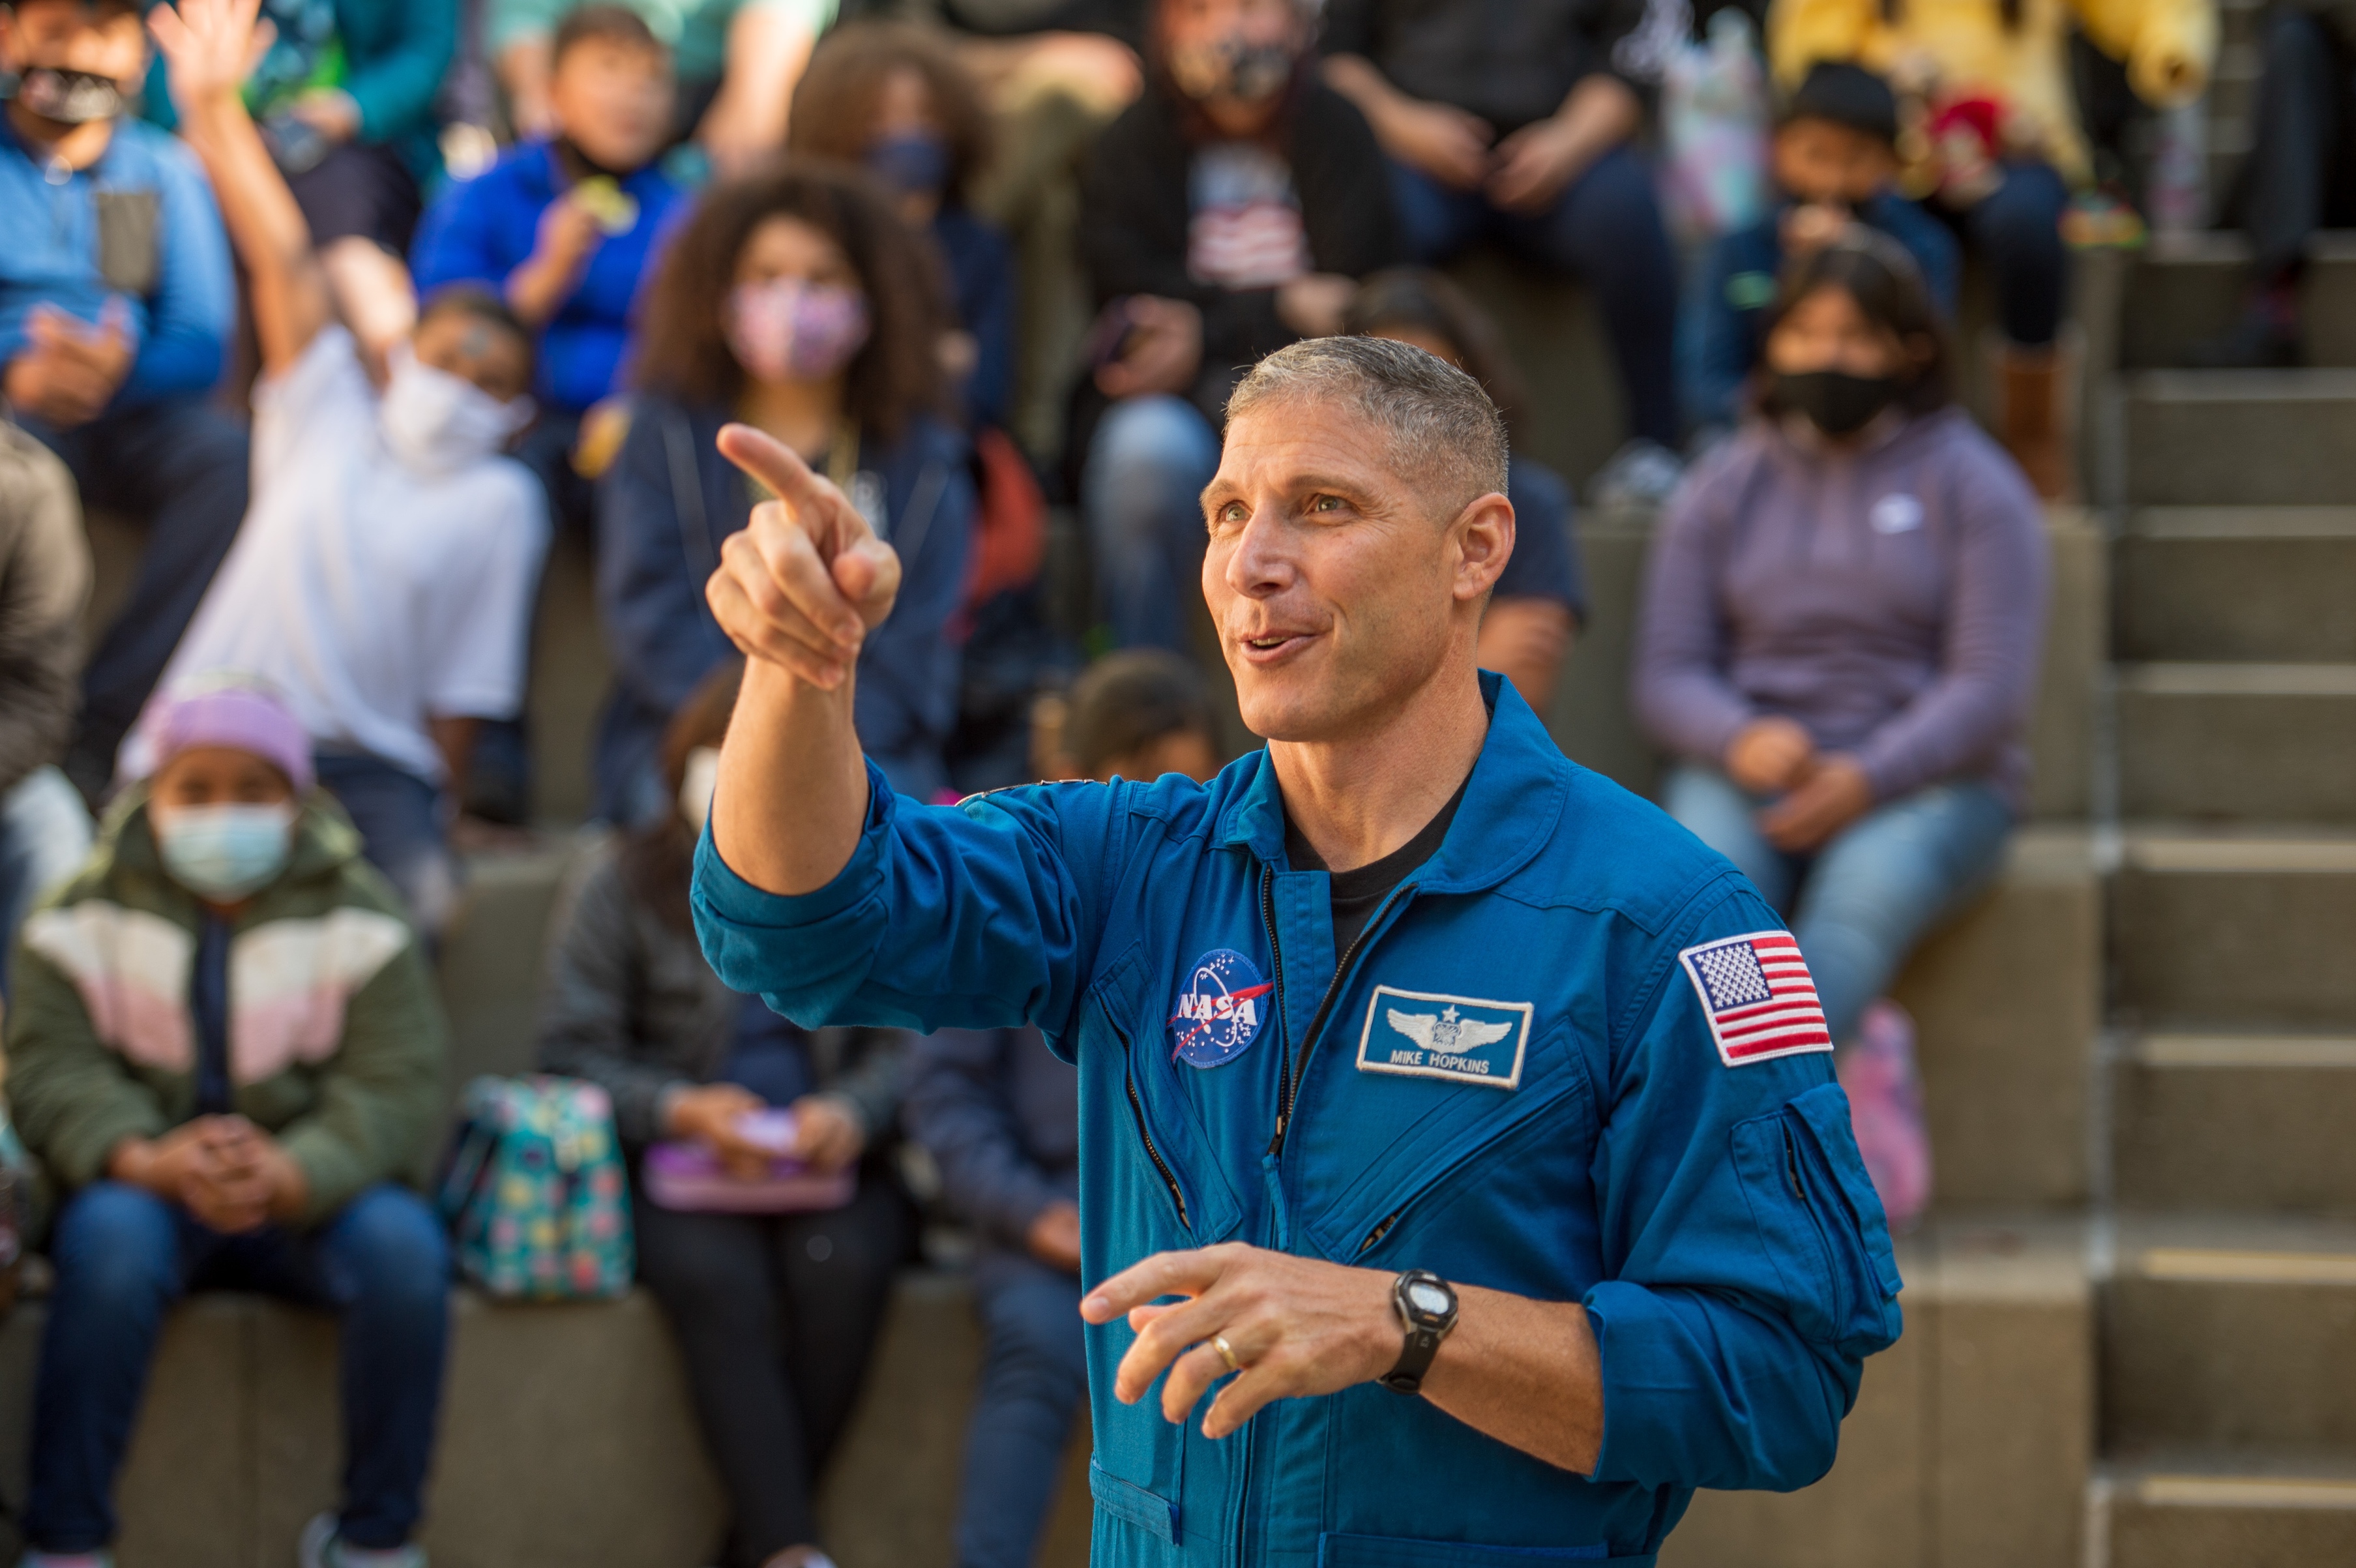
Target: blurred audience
{"type": "Point", "coordinates": [738, 62]}
{"type": "Point", "coordinates": [43, 587]}
{"type": "Point", "coordinates": [776, 1313]}
{"type": "Point", "coordinates": [1541, 599]}
{"type": "Point", "coordinates": [1999, 149]}
{"type": "Point", "coordinates": [345, 93]}
{"type": "Point", "coordinates": [1838, 641]}
{"type": "Point", "coordinates": [564, 228]}
{"type": "Point", "coordinates": [999, 1115]}
{"type": "Point", "coordinates": [1224, 215]}
{"type": "Point", "coordinates": [226, 1051]}
{"type": "Point", "coordinates": [1834, 160]}
{"type": "Point", "coordinates": [385, 578]}
{"type": "Point", "coordinates": [1512, 122]}
{"type": "Point", "coordinates": [797, 302]}
{"type": "Point", "coordinates": [892, 98]}
{"type": "Point", "coordinates": [116, 301]}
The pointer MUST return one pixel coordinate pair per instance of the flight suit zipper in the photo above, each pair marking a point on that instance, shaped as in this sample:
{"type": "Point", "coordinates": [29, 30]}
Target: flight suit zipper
{"type": "Point", "coordinates": [1137, 1111]}
{"type": "Point", "coordinates": [1292, 1071]}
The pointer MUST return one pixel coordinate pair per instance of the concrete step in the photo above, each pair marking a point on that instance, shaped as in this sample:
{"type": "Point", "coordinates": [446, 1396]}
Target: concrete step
{"type": "Point", "coordinates": [2208, 1510]}
{"type": "Point", "coordinates": [2240, 930]}
{"type": "Point", "coordinates": [2252, 1123]}
{"type": "Point", "coordinates": [2245, 437]}
{"type": "Point", "coordinates": [2233, 1332]}
{"type": "Point", "coordinates": [2238, 742]}
{"type": "Point", "coordinates": [2187, 287]}
{"type": "Point", "coordinates": [2273, 583]}
{"type": "Point", "coordinates": [1970, 1438]}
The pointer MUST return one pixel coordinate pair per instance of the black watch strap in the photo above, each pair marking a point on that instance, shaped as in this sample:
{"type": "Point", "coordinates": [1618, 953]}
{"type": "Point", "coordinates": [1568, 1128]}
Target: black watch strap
{"type": "Point", "coordinates": [1424, 1327]}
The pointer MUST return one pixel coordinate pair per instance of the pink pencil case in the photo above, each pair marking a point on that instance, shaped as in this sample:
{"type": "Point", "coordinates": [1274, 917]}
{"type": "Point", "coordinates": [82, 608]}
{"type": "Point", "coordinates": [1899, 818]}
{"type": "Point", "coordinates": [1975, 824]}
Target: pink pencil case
{"type": "Point", "coordinates": [688, 1176]}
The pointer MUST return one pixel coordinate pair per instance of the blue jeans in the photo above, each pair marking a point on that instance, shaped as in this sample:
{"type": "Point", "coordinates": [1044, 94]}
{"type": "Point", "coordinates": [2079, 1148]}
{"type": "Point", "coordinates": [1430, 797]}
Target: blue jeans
{"type": "Point", "coordinates": [400, 819]}
{"type": "Point", "coordinates": [2017, 229]}
{"type": "Point", "coordinates": [1605, 228]}
{"type": "Point", "coordinates": [1034, 1376]}
{"type": "Point", "coordinates": [44, 838]}
{"type": "Point", "coordinates": [1870, 894]}
{"type": "Point", "coordinates": [124, 1256]}
{"type": "Point", "coordinates": [179, 465]}
{"type": "Point", "coordinates": [1147, 466]}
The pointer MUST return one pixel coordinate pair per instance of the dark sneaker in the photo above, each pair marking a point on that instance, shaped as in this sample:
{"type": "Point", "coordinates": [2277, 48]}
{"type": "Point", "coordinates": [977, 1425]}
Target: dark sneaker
{"type": "Point", "coordinates": [321, 1547]}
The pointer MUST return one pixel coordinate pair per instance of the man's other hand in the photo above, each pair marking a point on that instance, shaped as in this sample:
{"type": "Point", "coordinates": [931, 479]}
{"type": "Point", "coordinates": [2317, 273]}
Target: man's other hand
{"type": "Point", "coordinates": [1295, 1327]}
{"type": "Point", "coordinates": [802, 583]}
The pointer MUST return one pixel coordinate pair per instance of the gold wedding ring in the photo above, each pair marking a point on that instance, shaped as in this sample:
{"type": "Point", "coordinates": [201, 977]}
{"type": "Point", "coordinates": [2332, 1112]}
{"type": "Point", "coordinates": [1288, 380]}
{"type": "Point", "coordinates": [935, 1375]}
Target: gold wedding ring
{"type": "Point", "coordinates": [1227, 1352]}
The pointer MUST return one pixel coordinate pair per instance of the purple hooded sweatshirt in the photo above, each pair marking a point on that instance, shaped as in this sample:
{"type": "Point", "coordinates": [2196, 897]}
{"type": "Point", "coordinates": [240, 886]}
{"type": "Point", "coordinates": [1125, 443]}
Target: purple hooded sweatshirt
{"type": "Point", "coordinates": [1891, 599]}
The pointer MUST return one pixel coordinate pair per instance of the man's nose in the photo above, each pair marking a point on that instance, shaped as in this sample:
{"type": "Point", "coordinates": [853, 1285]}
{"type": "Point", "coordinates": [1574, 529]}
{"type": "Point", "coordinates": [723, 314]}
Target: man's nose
{"type": "Point", "coordinates": [1262, 562]}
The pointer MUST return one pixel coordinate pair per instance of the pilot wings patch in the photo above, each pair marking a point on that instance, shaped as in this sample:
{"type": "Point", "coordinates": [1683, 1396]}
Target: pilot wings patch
{"type": "Point", "coordinates": [1467, 1039]}
{"type": "Point", "coordinates": [1759, 997]}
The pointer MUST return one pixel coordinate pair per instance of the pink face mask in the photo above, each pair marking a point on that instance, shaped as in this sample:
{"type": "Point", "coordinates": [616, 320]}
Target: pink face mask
{"type": "Point", "coordinates": [787, 329]}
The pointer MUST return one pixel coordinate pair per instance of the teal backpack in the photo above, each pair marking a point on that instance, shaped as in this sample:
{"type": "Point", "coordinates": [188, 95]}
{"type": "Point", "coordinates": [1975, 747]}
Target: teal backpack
{"type": "Point", "coordinates": [534, 1192]}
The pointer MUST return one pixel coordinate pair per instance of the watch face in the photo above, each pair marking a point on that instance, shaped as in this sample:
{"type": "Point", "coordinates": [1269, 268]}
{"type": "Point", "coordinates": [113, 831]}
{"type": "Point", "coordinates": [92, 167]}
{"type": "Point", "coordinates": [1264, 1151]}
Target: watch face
{"type": "Point", "coordinates": [1427, 1299]}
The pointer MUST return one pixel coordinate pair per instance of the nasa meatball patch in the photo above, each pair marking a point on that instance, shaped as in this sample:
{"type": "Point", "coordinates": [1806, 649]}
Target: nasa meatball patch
{"type": "Point", "coordinates": [1423, 1033]}
{"type": "Point", "coordinates": [1222, 1005]}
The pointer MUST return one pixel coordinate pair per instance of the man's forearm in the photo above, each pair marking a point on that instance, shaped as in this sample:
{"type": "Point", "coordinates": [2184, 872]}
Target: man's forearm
{"type": "Point", "coordinates": [1527, 1373]}
{"type": "Point", "coordinates": [1599, 113]}
{"type": "Point", "coordinates": [792, 796]}
{"type": "Point", "coordinates": [1356, 78]}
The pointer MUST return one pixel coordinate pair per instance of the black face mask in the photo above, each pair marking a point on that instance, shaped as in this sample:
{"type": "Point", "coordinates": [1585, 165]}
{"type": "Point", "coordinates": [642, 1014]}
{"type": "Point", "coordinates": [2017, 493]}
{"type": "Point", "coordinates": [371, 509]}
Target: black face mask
{"type": "Point", "coordinates": [68, 97]}
{"type": "Point", "coordinates": [1231, 68]}
{"type": "Point", "coordinates": [1835, 401]}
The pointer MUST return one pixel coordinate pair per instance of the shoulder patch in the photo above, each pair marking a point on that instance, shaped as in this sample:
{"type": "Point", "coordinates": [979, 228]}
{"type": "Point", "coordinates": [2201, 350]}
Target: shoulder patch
{"type": "Point", "coordinates": [1758, 995]}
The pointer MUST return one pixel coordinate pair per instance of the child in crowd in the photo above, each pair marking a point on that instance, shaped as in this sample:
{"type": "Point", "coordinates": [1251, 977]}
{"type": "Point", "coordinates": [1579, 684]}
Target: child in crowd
{"type": "Point", "coordinates": [797, 302]}
{"type": "Point", "coordinates": [1834, 158]}
{"type": "Point", "coordinates": [1541, 599]}
{"type": "Point", "coordinates": [385, 577]}
{"type": "Point", "coordinates": [891, 97]}
{"type": "Point", "coordinates": [1223, 216]}
{"type": "Point", "coordinates": [999, 1115]}
{"type": "Point", "coordinates": [116, 301]}
{"type": "Point", "coordinates": [1838, 640]}
{"type": "Point", "coordinates": [775, 1315]}
{"type": "Point", "coordinates": [226, 1052]}
{"type": "Point", "coordinates": [564, 228]}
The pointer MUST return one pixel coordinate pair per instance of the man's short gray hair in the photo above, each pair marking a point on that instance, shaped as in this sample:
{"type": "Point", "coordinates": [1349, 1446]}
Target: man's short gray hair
{"type": "Point", "coordinates": [1440, 424]}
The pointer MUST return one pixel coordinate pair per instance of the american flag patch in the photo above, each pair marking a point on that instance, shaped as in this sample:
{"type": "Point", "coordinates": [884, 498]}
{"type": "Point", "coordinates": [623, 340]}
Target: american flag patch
{"type": "Point", "coordinates": [1759, 997]}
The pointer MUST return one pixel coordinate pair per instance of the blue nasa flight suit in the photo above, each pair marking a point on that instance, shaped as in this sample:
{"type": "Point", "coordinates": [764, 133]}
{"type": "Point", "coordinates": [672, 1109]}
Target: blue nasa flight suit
{"type": "Point", "coordinates": [1513, 1081]}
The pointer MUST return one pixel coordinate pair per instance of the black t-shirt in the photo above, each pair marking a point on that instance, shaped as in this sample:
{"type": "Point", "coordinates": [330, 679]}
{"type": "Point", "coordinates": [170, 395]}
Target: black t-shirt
{"type": "Point", "coordinates": [1357, 894]}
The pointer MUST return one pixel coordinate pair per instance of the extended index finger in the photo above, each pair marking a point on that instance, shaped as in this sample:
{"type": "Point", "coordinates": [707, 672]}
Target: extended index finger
{"type": "Point", "coordinates": [781, 468]}
{"type": "Point", "coordinates": [1165, 1273]}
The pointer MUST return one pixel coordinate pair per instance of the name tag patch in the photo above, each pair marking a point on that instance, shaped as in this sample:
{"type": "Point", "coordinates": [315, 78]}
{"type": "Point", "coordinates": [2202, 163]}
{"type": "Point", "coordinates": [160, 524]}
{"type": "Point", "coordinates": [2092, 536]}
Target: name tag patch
{"type": "Point", "coordinates": [1424, 1034]}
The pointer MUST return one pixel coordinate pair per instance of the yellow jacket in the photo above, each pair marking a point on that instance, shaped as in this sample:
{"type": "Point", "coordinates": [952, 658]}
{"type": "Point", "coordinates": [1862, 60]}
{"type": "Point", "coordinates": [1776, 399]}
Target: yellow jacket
{"type": "Point", "coordinates": [1961, 49]}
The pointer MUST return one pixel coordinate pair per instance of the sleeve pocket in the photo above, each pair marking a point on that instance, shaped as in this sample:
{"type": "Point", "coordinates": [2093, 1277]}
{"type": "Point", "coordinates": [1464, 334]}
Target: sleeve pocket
{"type": "Point", "coordinates": [1820, 1223]}
{"type": "Point", "coordinates": [1149, 1512]}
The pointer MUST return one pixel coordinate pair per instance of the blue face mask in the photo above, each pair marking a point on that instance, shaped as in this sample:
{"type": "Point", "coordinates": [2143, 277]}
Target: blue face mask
{"type": "Point", "coordinates": [914, 162]}
{"type": "Point", "coordinates": [224, 853]}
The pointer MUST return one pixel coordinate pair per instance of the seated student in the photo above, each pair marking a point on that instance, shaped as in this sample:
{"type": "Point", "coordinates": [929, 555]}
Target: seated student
{"type": "Point", "coordinates": [796, 302]}
{"type": "Point", "coordinates": [1834, 158]}
{"type": "Point", "coordinates": [1223, 216]}
{"type": "Point", "coordinates": [775, 1315]}
{"type": "Point", "coordinates": [564, 228]}
{"type": "Point", "coordinates": [384, 581]}
{"type": "Point", "coordinates": [115, 307]}
{"type": "Point", "coordinates": [893, 98]}
{"type": "Point", "coordinates": [1838, 640]}
{"type": "Point", "coordinates": [1510, 122]}
{"type": "Point", "coordinates": [1541, 599]}
{"type": "Point", "coordinates": [226, 1051]}
{"type": "Point", "coordinates": [346, 93]}
{"type": "Point", "coordinates": [737, 60]}
{"type": "Point", "coordinates": [44, 583]}
{"type": "Point", "coordinates": [1001, 1117]}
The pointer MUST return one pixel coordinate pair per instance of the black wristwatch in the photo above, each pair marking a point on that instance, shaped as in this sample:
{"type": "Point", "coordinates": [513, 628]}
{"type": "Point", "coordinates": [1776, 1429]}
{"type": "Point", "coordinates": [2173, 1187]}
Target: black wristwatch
{"type": "Point", "coordinates": [1425, 1305]}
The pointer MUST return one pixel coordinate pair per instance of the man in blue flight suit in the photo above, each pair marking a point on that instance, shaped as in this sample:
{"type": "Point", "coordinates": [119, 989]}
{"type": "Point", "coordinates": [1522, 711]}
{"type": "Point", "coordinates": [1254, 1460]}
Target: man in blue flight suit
{"type": "Point", "coordinates": [1460, 1120]}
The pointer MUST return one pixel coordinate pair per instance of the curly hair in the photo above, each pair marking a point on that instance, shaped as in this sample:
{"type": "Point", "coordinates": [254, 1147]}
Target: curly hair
{"type": "Point", "coordinates": [834, 107]}
{"type": "Point", "coordinates": [684, 345]}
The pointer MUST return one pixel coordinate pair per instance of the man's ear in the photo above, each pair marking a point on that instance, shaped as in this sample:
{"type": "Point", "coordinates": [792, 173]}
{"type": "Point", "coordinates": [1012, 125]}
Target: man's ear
{"type": "Point", "coordinates": [1484, 542]}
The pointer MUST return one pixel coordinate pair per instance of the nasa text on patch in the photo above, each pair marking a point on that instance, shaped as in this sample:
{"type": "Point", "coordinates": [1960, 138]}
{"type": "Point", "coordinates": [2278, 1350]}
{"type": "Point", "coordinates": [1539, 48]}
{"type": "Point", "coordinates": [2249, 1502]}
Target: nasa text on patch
{"type": "Point", "coordinates": [1758, 995]}
{"type": "Point", "coordinates": [1222, 1005]}
{"type": "Point", "coordinates": [1422, 1034]}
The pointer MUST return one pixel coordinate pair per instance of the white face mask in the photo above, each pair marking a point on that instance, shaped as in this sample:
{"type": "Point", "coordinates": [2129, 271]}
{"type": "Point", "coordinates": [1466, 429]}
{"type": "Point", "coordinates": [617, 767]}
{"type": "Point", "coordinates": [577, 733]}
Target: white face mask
{"type": "Point", "coordinates": [697, 784]}
{"type": "Point", "coordinates": [435, 421]}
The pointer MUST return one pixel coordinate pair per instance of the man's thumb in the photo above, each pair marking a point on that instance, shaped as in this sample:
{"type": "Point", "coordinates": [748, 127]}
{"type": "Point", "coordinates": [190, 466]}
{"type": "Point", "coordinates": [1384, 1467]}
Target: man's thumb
{"type": "Point", "coordinates": [868, 574]}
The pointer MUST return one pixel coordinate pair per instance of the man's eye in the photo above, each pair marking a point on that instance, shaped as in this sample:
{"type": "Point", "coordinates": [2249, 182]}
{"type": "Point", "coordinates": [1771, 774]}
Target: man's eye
{"type": "Point", "coordinates": [1324, 503]}
{"type": "Point", "coordinates": [1234, 512]}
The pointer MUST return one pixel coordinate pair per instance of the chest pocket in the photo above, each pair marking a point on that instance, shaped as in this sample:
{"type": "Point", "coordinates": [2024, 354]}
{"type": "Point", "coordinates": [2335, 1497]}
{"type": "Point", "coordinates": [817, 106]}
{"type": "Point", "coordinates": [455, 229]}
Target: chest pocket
{"type": "Point", "coordinates": [129, 240]}
{"type": "Point", "coordinates": [1162, 1186]}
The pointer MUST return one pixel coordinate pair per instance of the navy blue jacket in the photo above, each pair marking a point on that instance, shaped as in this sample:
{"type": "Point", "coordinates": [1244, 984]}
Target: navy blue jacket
{"type": "Point", "coordinates": [1741, 284]}
{"type": "Point", "coordinates": [981, 266]}
{"type": "Point", "coordinates": [1520, 1076]}
{"type": "Point", "coordinates": [1000, 1116]}
{"type": "Point", "coordinates": [664, 508]}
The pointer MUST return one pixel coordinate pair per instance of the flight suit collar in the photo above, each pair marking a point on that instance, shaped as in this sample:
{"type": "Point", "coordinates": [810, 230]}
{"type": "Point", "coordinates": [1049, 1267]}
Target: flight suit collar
{"type": "Point", "coordinates": [1519, 784]}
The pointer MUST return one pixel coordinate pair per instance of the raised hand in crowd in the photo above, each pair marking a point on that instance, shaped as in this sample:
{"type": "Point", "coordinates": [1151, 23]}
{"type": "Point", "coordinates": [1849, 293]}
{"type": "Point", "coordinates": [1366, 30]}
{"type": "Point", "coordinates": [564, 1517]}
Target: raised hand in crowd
{"type": "Point", "coordinates": [69, 371]}
{"type": "Point", "coordinates": [568, 236]}
{"type": "Point", "coordinates": [1162, 351]}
